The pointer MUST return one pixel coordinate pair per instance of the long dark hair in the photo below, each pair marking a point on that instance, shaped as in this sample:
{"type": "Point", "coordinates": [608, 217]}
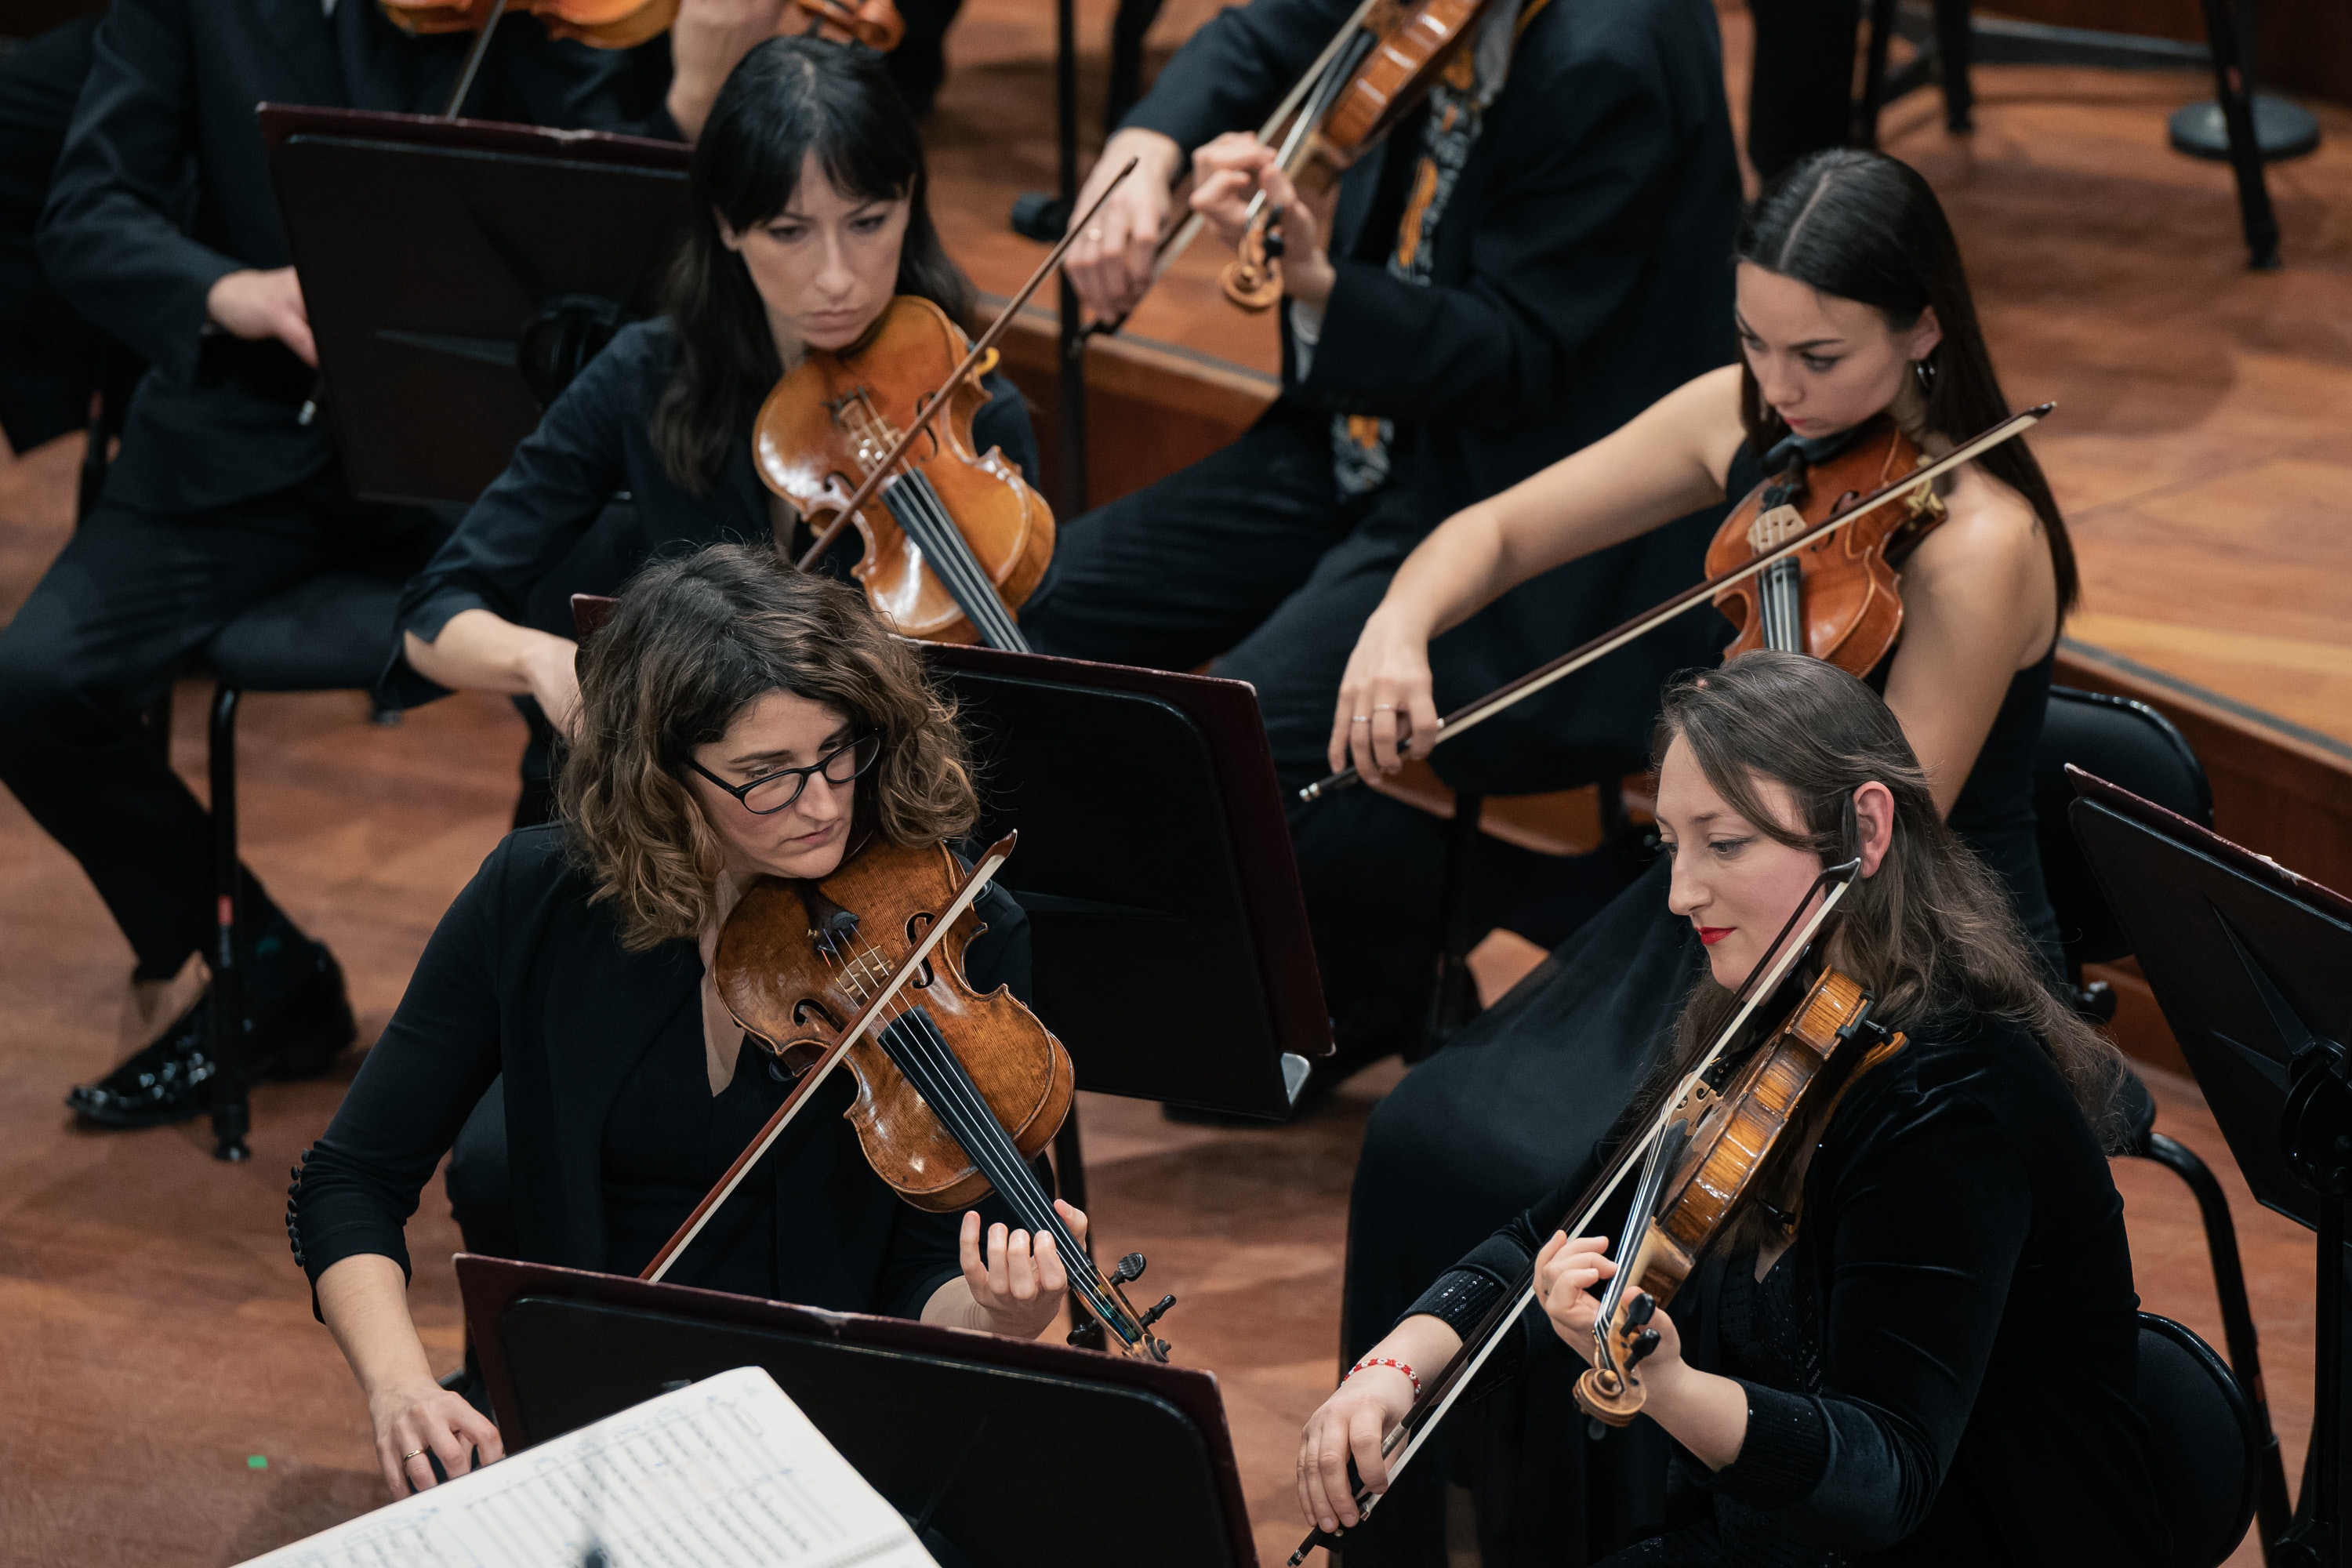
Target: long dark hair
{"type": "Point", "coordinates": [692, 643]}
{"type": "Point", "coordinates": [1932, 929]}
{"type": "Point", "coordinates": [1862, 225]}
{"type": "Point", "coordinates": [789, 98]}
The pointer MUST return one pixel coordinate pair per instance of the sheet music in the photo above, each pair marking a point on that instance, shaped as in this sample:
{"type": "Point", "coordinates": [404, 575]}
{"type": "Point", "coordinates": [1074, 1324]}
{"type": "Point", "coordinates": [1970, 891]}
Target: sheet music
{"type": "Point", "coordinates": [725, 1474]}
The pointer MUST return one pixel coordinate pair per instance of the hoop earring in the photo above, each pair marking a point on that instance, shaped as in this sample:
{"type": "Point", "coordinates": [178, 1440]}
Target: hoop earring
{"type": "Point", "coordinates": [1923, 372]}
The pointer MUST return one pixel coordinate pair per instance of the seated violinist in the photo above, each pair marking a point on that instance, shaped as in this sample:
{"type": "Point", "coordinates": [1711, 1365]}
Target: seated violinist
{"type": "Point", "coordinates": [1855, 320]}
{"type": "Point", "coordinates": [740, 721]}
{"type": "Point", "coordinates": [1516, 271]}
{"type": "Point", "coordinates": [1916, 1342]}
{"type": "Point", "coordinates": [161, 228]}
{"type": "Point", "coordinates": [807, 197]}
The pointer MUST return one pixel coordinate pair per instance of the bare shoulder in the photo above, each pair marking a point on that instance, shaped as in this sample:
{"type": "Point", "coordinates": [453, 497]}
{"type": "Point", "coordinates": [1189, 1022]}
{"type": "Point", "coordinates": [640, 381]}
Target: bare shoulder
{"type": "Point", "coordinates": [1990, 557]}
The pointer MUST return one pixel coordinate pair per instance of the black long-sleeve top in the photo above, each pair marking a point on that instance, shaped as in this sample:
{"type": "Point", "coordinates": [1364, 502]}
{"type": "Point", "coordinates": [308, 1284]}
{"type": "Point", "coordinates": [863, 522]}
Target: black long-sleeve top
{"type": "Point", "coordinates": [172, 87]}
{"type": "Point", "coordinates": [525, 977]}
{"type": "Point", "coordinates": [534, 538]}
{"type": "Point", "coordinates": [1960, 1299]}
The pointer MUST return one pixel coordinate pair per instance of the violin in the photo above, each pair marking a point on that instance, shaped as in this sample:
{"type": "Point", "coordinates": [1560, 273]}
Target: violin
{"type": "Point", "coordinates": [1832, 1007]}
{"type": "Point", "coordinates": [1735, 1150]}
{"type": "Point", "coordinates": [625, 24]}
{"type": "Point", "coordinates": [1378, 68]}
{"type": "Point", "coordinates": [960, 539]}
{"type": "Point", "coordinates": [1838, 597]}
{"type": "Point", "coordinates": [1841, 583]}
{"type": "Point", "coordinates": [957, 1090]}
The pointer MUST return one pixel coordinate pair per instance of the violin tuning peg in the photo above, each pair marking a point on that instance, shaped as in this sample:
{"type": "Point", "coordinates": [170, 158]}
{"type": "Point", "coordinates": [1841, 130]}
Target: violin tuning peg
{"type": "Point", "coordinates": [1129, 1267]}
{"type": "Point", "coordinates": [1159, 1311]}
{"type": "Point", "coordinates": [1640, 1310]}
{"type": "Point", "coordinates": [1645, 1342]}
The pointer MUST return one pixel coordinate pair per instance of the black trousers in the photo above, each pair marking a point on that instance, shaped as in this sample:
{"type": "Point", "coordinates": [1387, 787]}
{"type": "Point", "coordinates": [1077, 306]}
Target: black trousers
{"type": "Point", "coordinates": [123, 611]}
{"type": "Point", "coordinates": [1249, 558]}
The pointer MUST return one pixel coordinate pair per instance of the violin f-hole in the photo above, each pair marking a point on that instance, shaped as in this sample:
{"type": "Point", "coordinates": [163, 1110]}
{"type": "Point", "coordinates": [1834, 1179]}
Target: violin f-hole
{"type": "Point", "coordinates": [917, 924]}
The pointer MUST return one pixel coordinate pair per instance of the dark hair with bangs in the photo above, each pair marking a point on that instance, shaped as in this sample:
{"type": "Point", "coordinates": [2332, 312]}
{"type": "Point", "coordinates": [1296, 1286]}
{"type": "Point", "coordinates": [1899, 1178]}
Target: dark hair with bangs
{"type": "Point", "coordinates": [789, 98]}
{"type": "Point", "coordinates": [1864, 226]}
{"type": "Point", "coordinates": [692, 643]}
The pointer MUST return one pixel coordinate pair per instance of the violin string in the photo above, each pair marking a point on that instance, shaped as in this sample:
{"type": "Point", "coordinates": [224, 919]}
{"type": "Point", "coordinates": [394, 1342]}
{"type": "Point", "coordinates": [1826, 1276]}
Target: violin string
{"type": "Point", "coordinates": [925, 516]}
{"type": "Point", "coordinates": [956, 1100]}
{"type": "Point", "coordinates": [950, 554]}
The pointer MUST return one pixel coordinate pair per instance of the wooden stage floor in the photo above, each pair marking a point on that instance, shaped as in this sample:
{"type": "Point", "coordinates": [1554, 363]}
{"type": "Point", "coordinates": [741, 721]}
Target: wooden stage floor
{"type": "Point", "coordinates": [169, 1400]}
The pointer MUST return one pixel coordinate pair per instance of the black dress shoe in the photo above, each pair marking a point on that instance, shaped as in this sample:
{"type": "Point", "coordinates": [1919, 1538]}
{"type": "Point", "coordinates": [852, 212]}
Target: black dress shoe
{"type": "Point", "coordinates": [296, 1034]}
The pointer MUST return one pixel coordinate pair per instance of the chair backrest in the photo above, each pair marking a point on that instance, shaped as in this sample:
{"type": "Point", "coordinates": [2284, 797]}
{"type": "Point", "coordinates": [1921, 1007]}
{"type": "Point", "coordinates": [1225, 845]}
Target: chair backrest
{"type": "Point", "coordinates": [2125, 743]}
{"type": "Point", "coordinates": [2201, 1449]}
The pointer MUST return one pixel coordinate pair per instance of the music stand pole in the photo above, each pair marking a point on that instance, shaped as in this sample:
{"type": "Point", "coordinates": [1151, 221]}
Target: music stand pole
{"type": "Point", "coordinates": [1070, 379]}
{"type": "Point", "coordinates": [2315, 1135]}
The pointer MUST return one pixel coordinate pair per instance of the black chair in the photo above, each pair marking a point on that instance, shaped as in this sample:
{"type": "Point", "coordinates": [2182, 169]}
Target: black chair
{"type": "Point", "coordinates": [331, 633]}
{"type": "Point", "coordinates": [2132, 745]}
{"type": "Point", "coordinates": [2204, 1442]}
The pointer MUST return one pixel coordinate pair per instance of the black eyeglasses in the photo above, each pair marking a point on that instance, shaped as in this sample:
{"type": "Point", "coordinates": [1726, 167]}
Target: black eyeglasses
{"type": "Point", "coordinates": [770, 793]}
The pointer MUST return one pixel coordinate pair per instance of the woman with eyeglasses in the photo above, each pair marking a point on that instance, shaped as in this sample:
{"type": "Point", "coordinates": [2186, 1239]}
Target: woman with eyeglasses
{"type": "Point", "coordinates": [737, 720]}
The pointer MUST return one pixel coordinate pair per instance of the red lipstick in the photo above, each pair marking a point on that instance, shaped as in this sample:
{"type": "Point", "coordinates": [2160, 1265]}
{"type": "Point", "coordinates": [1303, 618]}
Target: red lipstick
{"type": "Point", "coordinates": [1713, 935]}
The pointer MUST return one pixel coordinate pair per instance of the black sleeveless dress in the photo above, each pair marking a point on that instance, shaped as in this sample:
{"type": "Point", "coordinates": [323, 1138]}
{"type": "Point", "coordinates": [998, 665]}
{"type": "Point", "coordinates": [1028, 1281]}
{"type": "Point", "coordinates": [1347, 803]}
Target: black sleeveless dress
{"type": "Point", "coordinates": [1514, 1106]}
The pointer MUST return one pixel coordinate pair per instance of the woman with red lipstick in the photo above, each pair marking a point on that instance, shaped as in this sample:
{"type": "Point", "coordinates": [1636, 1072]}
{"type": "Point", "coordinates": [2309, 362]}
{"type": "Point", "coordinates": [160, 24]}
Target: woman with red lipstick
{"type": "Point", "coordinates": [1869, 1364]}
{"type": "Point", "coordinates": [807, 213]}
{"type": "Point", "coordinates": [1851, 303]}
{"type": "Point", "coordinates": [737, 720]}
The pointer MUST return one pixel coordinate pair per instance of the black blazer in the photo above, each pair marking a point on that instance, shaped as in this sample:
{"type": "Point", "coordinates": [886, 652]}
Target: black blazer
{"type": "Point", "coordinates": [525, 977]}
{"type": "Point", "coordinates": [175, 83]}
{"type": "Point", "coordinates": [541, 531]}
{"type": "Point", "coordinates": [1580, 272]}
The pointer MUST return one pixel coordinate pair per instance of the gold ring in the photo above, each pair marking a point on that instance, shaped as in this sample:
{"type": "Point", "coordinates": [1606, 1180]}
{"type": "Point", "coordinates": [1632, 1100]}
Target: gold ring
{"type": "Point", "coordinates": [405, 1458]}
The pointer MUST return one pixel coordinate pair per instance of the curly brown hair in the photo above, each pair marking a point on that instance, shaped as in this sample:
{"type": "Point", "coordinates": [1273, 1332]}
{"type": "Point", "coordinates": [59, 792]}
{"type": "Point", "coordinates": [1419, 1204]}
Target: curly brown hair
{"type": "Point", "coordinates": [692, 642]}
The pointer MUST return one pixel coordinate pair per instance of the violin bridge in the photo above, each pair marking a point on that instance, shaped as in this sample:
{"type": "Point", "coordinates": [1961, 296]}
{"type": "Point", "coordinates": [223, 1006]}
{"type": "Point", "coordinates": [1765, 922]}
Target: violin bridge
{"type": "Point", "coordinates": [1771, 528]}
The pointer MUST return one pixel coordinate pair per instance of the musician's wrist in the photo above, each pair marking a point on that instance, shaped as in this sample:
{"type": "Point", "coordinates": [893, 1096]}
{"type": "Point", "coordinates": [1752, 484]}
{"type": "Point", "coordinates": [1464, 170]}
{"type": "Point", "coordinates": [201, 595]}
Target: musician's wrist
{"type": "Point", "coordinates": [1310, 278]}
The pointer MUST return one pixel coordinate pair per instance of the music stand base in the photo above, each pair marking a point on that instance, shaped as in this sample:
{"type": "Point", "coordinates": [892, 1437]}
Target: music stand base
{"type": "Point", "coordinates": [2282, 130]}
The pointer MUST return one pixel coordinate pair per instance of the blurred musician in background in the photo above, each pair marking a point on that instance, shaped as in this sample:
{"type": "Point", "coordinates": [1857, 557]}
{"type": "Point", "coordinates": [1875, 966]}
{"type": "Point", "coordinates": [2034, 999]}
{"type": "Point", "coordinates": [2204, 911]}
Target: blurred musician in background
{"type": "Point", "coordinates": [1516, 271]}
{"type": "Point", "coordinates": [161, 229]}
{"type": "Point", "coordinates": [808, 208]}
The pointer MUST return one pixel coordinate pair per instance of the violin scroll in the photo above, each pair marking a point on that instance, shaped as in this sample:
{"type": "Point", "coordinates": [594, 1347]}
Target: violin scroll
{"type": "Point", "coordinates": [1252, 279]}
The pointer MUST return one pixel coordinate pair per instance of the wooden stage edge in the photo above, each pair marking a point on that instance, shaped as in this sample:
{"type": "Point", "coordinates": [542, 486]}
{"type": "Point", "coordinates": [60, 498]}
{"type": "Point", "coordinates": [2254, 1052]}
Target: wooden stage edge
{"type": "Point", "coordinates": [2279, 788]}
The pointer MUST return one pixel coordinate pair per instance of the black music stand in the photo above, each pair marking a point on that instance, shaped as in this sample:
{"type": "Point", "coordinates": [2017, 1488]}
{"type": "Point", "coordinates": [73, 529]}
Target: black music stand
{"type": "Point", "coordinates": [2251, 965]}
{"type": "Point", "coordinates": [1001, 1453]}
{"type": "Point", "coordinates": [1172, 951]}
{"type": "Point", "coordinates": [458, 273]}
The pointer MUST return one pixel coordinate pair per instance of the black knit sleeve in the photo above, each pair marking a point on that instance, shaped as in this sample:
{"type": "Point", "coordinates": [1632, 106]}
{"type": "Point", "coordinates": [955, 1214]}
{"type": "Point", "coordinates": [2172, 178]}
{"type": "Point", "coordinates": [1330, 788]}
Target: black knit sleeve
{"type": "Point", "coordinates": [356, 1187]}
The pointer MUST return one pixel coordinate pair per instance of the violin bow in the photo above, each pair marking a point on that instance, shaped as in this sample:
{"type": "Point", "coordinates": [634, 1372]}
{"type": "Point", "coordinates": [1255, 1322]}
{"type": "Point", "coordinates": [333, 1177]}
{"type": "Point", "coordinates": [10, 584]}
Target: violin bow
{"type": "Point", "coordinates": [1186, 233]}
{"type": "Point", "coordinates": [1609, 642]}
{"type": "Point", "coordinates": [1438, 1399]}
{"type": "Point", "coordinates": [981, 875]}
{"type": "Point", "coordinates": [938, 400]}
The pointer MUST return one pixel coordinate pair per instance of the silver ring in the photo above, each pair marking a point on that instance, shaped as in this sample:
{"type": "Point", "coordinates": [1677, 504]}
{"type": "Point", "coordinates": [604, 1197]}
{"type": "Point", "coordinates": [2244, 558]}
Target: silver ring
{"type": "Point", "coordinates": [405, 1458]}
{"type": "Point", "coordinates": [1094, 234]}
{"type": "Point", "coordinates": [1361, 719]}
{"type": "Point", "coordinates": [1383, 707]}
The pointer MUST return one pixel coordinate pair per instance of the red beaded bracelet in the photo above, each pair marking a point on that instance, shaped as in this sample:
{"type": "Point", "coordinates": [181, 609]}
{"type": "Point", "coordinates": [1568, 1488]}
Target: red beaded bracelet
{"type": "Point", "coordinates": [1387, 1361]}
